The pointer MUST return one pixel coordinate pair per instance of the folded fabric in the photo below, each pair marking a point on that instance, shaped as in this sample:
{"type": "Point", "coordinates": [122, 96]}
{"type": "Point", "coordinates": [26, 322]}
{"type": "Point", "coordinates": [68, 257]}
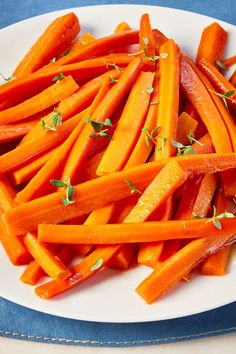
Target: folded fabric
{"type": "Point", "coordinates": [22, 323]}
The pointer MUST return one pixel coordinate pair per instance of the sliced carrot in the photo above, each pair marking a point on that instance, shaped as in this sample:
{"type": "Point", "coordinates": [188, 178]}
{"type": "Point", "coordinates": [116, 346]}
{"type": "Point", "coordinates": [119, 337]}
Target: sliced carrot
{"type": "Point", "coordinates": [99, 192]}
{"type": "Point", "coordinates": [122, 27]}
{"type": "Point", "coordinates": [129, 126]}
{"type": "Point", "coordinates": [232, 79]}
{"type": "Point", "coordinates": [123, 259]}
{"type": "Point", "coordinates": [186, 125]}
{"type": "Point", "coordinates": [169, 99]}
{"type": "Point", "coordinates": [147, 43]}
{"type": "Point", "coordinates": [201, 128]}
{"type": "Point", "coordinates": [149, 253]}
{"type": "Point", "coordinates": [11, 132]}
{"type": "Point", "coordinates": [46, 259]}
{"type": "Point", "coordinates": [212, 43]}
{"type": "Point", "coordinates": [90, 167]}
{"type": "Point", "coordinates": [160, 39]}
{"type": "Point", "coordinates": [164, 184]}
{"type": "Point", "coordinates": [205, 195]}
{"type": "Point", "coordinates": [219, 82]}
{"type": "Point", "coordinates": [50, 44]}
{"type": "Point", "coordinates": [133, 233]}
{"type": "Point", "coordinates": [84, 270]}
{"type": "Point", "coordinates": [229, 61]}
{"type": "Point", "coordinates": [49, 97]}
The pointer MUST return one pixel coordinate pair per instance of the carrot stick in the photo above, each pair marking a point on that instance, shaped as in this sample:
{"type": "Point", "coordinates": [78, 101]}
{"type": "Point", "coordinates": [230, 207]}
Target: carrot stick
{"type": "Point", "coordinates": [147, 43]}
{"type": "Point", "coordinates": [160, 39]}
{"type": "Point", "coordinates": [212, 43]}
{"type": "Point", "coordinates": [105, 109]}
{"type": "Point", "coordinates": [33, 272]}
{"type": "Point", "coordinates": [180, 264]}
{"type": "Point", "coordinates": [50, 44]}
{"type": "Point", "coordinates": [149, 253]}
{"type": "Point", "coordinates": [229, 61]}
{"type": "Point", "coordinates": [84, 270]}
{"type": "Point", "coordinates": [129, 126]}
{"type": "Point", "coordinates": [201, 100]}
{"type": "Point", "coordinates": [49, 97]}
{"type": "Point", "coordinates": [15, 131]}
{"type": "Point", "coordinates": [46, 259]}
{"type": "Point", "coordinates": [216, 263]}
{"type": "Point", "coordinates": [85, 39]}
{"type": "Point", "coordinates": [50, 139]}
{"type": "Point", "coordinates": [133, 233]}
{"type": "Point", "coordinates": [232, 79]}
{"type": "Point", "coordinates": [90, 167]}
{"type": "Point", "coordinates": [186, 124]}
{"type": "Point", "coordinates": [99, 192]}
{"type": "Point", "coordinates": [219, 82]}
{"type": "Point", "coordinates": [169, 100]}
{"type": "Point", "coordinates": [205, 195]}
{"type": "Point", "coordinates": [123, 259]}
{"type": "Point", "coordinates": [122, 27]}
{"type": "Point", "coordinates": [164, 185]}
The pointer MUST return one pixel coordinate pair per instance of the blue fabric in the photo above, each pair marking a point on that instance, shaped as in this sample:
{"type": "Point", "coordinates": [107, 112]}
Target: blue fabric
{"type": "Point", "coordinates": [22, 323]}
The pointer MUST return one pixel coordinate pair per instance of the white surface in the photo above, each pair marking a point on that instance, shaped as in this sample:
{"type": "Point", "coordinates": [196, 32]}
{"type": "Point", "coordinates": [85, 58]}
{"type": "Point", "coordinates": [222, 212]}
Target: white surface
{"type": "Point", "coordinates": [110, 296]}
{"type": "Point", "coordinates": [217, 345]}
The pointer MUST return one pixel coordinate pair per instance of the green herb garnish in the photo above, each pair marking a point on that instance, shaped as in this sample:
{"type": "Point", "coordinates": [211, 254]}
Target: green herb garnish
{"type": "Point", "coordinates": [7, 79]}
{"type": "Point", "coordinates": [150, 136]}
{"type": "Point", "coordinates": [149, 90]}
{"type": "Point", "coordinates": [58, 77]}
{"type": "Point", "coordinates": [68, 199]}
{"type": "Point", "coordinates": [56, 120]}
{"type": "Point", "coordinates": [215, 218]}
{"type": "Point", "coordinates": [220, 65]}
{"type": "Point", "coordinates": [225, 96]}
{"type": "Point", "coordinates": [133, 189]}
{"type": "Point", "coordinates": [97, 265]}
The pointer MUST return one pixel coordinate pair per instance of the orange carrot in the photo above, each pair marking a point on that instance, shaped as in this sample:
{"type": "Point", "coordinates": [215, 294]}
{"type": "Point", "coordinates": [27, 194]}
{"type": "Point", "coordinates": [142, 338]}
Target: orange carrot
{"type": "Point", "coordinates": [46, 259]}
{"type": "Point", "coordinates": [205, 195]}
{"type": "Point", "coordinates": [149, 254]}
{"type": "Point", "coordinates": [132, 233]}
{"type": "Point", "coordinates": [232, 79]}
{"type": "Point", "coordinates": [122, 27]}
{"type": "Point", "coordinates": [169, 99]}
{"type": "Point", "coordinates": [186, 125]}
{"type": "Point", "coordinates": [90, 167]}
{"type": "Point", "coordinates": [160, 39]}
{"type": "Point", "coordinates": [219, 82]}
{"type": "Point", "coordinates": [164, 184]}
{"type": "Point", "coordinates": [50, 44]}
{"type": "Point", "coordinates": [129, 126]}
{"type": "Point", "coordinates": [49, 97]}
{"type": "Point", "coordinates": [123, 259]}
{"type": "Point", "coordinates": [230, 61]}
{"type": "Point", "coordinates": [15, 131]}
{"type": "Point", "coordinates": [147, 43]}
{"type": "Point", "coordinates": [212, 43]}
{"type": "Point", "coordinates": [99, 192]}
{"type": "Point", "coordinates": [84, 270]}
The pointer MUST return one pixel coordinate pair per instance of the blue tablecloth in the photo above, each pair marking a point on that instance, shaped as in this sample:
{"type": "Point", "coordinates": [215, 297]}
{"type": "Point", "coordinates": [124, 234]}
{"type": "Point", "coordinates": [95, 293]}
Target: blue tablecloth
{"type": "Point", "coordinates": [22, 323]}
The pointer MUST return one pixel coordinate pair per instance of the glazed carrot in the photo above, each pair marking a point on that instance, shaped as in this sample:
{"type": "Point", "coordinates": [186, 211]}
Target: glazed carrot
{"type": "Point", "coordinates": [49, 97]}
{"type": "Point", "coordinates": [50, 139]}
{"type": "Point", "coordinates": [122, 27]}
{"type": "Point", "coordinates": [201, 100]}
{"type": "Point", "coordinates": [219, 82]}
{"type": "Point", "coordinates": [45, 258]}
{"type": "Point", "coordinates": [84, 270]}
{"type": "Point", "coordinates": [70, 165]}
{"type": "Point", "coordinates": [160, 39]}
{"type": "Point", "coordinates": [168, 100]}
{"type": "Point", "coordinates": [206, 146]}
{"type": "Point", "coordinates": [186, 125]}
{"type": "Point", "coordinates": [25, 173]}
{"type": "Point", "coordinates": [90, 168]}
{"type": "Point", "coordinates": [201, 128]}
{"type": "Point", "coordinates": [123, 259]}
{"type": "Point", "coordinates": [132, 233]}
{"type": "Point", "coordinates": [15, 131]}
{"type": "Point", "coordinates": [181, 263]}
{"type": "Point", "coordinates": [50, 44]}
{"type": "Point", "coordinates": [232, 79]}
{"type": "Point", "coordinates": [230, 61]}
{"type": "Point", "coordinates": [104, 110]}
{"type": "Point", "coordinates": [149, 254]}
{"type": "Point", "coordinates": [212, 43]}
{"type": "Point", "coordinates": [216, 263]}
{"type": "Point", "coordinates": [33, 272]}
{"type": "Point", "coordinates": [169, 179]}
{"type": "Point", "coordinates": [129, 126]}
{"type": "Point", "coordinates": [147, 43]}
{"type": "Point", "coordinates": [99, 192]}
{"type": "Point", "coordinates": [145, 144]}
{"type": "Point", "coordinates": [85, 39]}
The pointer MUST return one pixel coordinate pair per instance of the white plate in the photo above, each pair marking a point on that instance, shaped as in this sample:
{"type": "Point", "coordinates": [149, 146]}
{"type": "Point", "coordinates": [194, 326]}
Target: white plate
{"type": "Point", "coordinates": [110, 296]}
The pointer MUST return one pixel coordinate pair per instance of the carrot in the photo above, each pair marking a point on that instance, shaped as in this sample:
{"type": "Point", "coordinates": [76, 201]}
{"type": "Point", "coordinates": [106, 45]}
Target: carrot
{"type": "Point", "coordinates": [50, 139]}
{"type": "Point", "coordinates": [33, 272]}
{"type": "Point", "coordinates": [145, 142]}
{"type": "Point", "coordinates": [123, 259]}
{"type": "Point", "coordinates": [70, 165]}
{"type": "Point", "coordinates": [50, 44]}
{"type": "Point", "coordinates": [232, 79]}
{"type": "Point", "coordinates": [201, 100]}
{"type": "Point", "coordinates": [150, 253]}
{"type": "Point", "coordinates": [133, 233]}
{"type": "Point", "coordinates": [49, 97]}
{"type": "Point", "coordinates": [186, 125]}
{"type": "Point", "coordinates": [205, 195]}
{"type": "Point", "coordinates": [229, 61]}
{"type": "Point", "coordinates": [164, 185]}
{"type": "Point", "coordinates": [180, 264]}
{"type": "Point", "coordinates": [122, 27]}
{"type": "Point", "coordinates": [216, 263]}
{"type": "Point", "coordinates": [129, 126]}
{"type": "Point", "coordinates": [25, 173]}
{"type": "Point", "coordinates": [160, 39]}
{"type": "Point", "coordinates": [45, 258]}
{"type": "Point", "coordinates": [99, 192]}
{"type": "Point", "coordinates": [90, 167]}
{"type": "Point", "coordinates": [169, 99]}
{"type": "Point", "coordinates": [220, 83]}
{"type": "Point", "coordinates": [84, 270]}
{"type": "Point", "coordinates": [147, 43]}
{"type": "Point", "coordinates": [105, 109]}
{"type": "Point", "coordinates": [205, 147]}
{"type": "Point", "coordinates": [85, 39]}
{"type": "Point", "coordinates": [212, 43]}
{"type": "Point", "coordinates": [15, 131]}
